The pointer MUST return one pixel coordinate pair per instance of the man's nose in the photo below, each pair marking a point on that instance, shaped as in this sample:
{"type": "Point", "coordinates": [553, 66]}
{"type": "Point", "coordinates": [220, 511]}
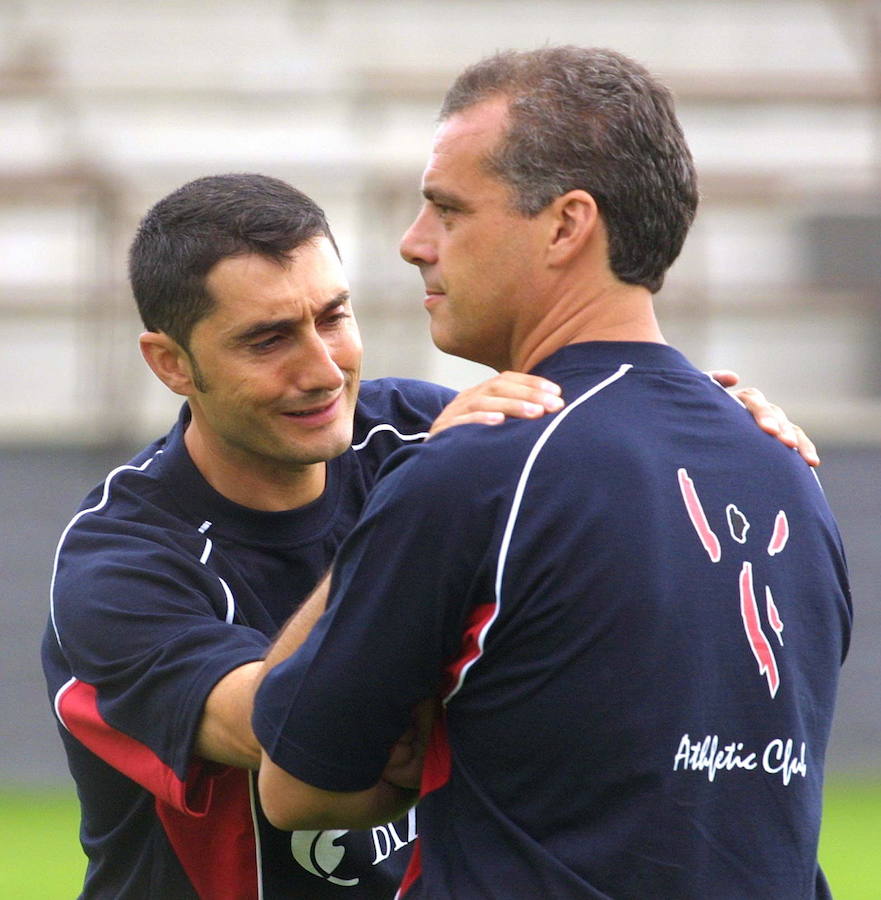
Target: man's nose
{"type": "Point", "coordinates": [417, 246]}
{"type": "Point", "coordinates": [316, 369]}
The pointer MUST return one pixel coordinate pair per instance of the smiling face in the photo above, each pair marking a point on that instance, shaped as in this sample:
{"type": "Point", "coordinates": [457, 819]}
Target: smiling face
{"type": "Point", "coordinates": [275, 369]}
{"type": "Point", "coordinates": [476, 253]}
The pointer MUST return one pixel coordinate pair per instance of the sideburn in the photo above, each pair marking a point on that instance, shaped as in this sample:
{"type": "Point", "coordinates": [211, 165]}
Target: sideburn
{"type": "Point", "coordinates": [199, 382]}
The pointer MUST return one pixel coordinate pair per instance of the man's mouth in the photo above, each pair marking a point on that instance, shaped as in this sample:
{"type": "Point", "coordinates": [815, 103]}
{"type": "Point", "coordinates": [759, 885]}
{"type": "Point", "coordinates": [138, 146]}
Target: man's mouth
{"type": "Point", "coordinates": [322, 411]}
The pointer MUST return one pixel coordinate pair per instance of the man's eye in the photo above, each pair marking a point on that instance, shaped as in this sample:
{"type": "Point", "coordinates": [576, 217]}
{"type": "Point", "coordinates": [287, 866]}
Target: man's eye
{"type": "Point", "coordinates": [335, 318]}
{"type": "Point", "coordinates": [266, 343]}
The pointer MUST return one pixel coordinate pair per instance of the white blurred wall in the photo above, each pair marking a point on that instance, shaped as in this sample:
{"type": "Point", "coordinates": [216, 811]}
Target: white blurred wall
{"type": "Point", "coordinates": [106, 105]}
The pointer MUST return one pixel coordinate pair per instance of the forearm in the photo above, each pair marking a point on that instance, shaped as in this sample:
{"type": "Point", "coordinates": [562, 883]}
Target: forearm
{"type": "Point", "coordinates": [225, 734]}
{"type": "Point", "coordinates": [292, 804]}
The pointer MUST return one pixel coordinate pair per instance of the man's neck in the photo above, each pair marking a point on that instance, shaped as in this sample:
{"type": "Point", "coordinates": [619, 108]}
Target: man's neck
{"type": "Point", "coordinates": [261, 484]}
{"type": "Point", "coordinates": [614, 312]}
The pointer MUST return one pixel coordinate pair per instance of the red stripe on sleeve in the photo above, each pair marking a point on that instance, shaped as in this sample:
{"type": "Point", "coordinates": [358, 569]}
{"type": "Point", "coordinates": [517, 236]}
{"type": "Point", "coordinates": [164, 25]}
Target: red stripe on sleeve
{"type": "Point", "coordinates": [78, 710]}
{"type": "Point", "coordinates": [207, 817]}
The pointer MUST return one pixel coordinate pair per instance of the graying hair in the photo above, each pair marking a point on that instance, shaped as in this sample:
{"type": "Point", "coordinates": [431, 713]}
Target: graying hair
{"type": "Point", "coordinates": [594, 120]}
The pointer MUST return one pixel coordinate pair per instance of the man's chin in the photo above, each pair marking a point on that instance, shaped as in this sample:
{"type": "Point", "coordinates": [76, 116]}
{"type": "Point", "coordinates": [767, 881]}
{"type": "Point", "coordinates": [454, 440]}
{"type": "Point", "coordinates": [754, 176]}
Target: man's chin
{"type": "Point", "coordinates": [441, 338]}
{"type": "Point", "coordinates": [323, 451]}
{"type": "Point", "coordinates": [449, 345]}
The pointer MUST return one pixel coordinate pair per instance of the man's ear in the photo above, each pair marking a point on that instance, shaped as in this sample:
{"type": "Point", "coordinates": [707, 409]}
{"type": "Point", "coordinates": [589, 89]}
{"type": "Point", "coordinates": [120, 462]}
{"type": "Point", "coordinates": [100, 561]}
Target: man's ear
{"type": "Point", "coordinates": [169, 361]}
{"type": "Point", "coordinates": [575, 218]}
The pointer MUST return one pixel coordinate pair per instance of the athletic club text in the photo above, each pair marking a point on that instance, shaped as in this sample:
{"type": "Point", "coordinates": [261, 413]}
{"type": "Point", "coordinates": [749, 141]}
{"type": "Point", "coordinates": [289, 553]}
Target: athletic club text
{"type": "Point", "coordinates": [779, 757]}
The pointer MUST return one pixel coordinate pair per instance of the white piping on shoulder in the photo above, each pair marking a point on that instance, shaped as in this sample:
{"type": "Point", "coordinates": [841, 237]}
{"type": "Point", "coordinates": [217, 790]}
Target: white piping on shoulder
{"type": "Point", "coordinates": [515, 510]}
{"type": "Point", "coordinates": [230, 599]}
{"type": "Point", "coordinates": [101, 503]}
{"type": "Point", "coordinates": [230, 602]}
{"type": "Point", "coordinates": [422, 435]}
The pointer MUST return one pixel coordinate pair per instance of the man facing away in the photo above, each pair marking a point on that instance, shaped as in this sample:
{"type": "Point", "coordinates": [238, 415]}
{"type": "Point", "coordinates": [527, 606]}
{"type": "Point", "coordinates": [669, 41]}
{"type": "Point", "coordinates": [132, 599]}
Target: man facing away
{"type": "Point", "coordinates": [634, 610]}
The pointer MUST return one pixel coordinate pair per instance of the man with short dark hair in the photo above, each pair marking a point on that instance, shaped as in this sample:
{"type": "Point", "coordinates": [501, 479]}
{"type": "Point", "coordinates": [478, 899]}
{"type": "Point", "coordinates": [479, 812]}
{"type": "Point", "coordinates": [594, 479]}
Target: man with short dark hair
{"type": "Point", "coordinates": [634, 610]}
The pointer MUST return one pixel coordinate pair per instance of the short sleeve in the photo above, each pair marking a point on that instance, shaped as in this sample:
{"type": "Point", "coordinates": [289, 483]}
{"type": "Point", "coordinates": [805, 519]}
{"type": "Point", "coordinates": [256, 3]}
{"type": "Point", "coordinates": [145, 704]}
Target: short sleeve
{"type": "Point", "coordinates": [143, 631]}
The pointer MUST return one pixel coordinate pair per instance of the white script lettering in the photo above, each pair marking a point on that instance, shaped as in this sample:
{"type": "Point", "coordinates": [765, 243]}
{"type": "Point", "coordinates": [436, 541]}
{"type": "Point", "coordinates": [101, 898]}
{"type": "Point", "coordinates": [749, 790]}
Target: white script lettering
{"type": "Point", "coordinates": [778, 758]}
{"type": "Point", "coordinates": [706, 756]}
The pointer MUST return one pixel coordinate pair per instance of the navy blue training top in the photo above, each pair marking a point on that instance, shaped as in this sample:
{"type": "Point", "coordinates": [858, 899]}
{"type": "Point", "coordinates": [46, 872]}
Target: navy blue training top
{"type": "Point", "coordinates": [162, 586]}
{"type": "Point", "coordinates": [636, 612]}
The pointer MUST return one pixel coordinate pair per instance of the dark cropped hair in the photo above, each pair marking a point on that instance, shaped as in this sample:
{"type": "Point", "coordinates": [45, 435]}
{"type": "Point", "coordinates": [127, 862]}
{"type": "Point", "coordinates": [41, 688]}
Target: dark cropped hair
{"type": "Point", "coordinates": [188, 232]}
{"type": "Point", "coordinates": [595, 120]}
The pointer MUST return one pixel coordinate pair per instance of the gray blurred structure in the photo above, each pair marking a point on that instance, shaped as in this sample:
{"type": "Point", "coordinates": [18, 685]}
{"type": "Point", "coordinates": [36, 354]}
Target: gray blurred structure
{"type": "Point", "coordinates": [105, 107]}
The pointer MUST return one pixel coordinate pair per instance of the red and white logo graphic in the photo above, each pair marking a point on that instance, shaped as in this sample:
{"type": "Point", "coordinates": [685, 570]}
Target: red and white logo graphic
{"type": "Point", "coordinates": [738, 528]}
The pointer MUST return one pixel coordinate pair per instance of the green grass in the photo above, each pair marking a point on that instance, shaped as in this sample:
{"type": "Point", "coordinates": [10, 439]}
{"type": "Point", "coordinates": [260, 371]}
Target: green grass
{"type": "Point", "coordinates": [850, 839]}
{"type": "Point", "coordinates": [40, 856]}
{"type": "Point", "coordinates": [40, 853]}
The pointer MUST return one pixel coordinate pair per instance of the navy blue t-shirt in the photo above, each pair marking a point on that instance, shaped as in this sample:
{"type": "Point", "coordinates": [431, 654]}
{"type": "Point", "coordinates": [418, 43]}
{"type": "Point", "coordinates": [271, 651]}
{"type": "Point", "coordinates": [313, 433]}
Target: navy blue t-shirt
{"type": "Point", "coordinates": [635, 612]}
{"type": "Point", "coordinates": [162, 586]}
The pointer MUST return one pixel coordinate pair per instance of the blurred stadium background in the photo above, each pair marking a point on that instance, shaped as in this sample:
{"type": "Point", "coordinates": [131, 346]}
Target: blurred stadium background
{"type": "Point", "coordinates": [106, 105]}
